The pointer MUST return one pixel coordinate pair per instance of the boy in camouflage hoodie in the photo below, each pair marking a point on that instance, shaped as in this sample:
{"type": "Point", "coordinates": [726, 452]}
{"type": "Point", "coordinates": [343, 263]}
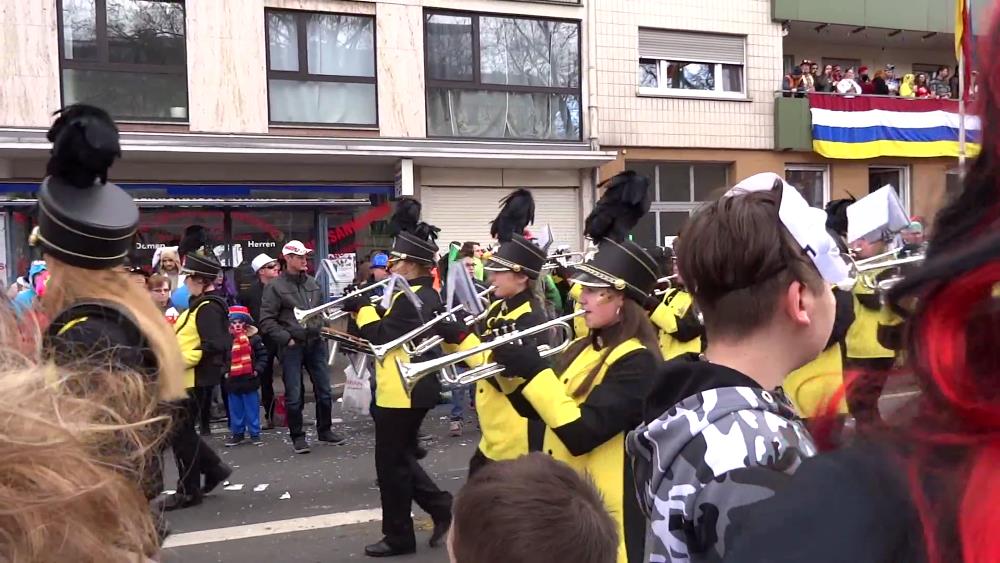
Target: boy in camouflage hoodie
{"type": "Point", "coordinates": [760, 265]}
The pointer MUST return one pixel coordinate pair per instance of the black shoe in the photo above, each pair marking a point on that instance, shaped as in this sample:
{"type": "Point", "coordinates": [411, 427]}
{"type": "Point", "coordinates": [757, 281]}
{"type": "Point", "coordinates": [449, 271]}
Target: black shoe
{"type": "Point", "coordinates": [331, 437]}
{"type": "Point", "coordinates": [300, 445]}
{"type": "Point", "coordinates": [177, 501]}
{"type": "Point", "coordinates": [234, 440]}
{"type": "Point", "coordinates": [216, 475]}
{"type": "Point", "coordinates": [205, 432]}
{"type": "Point", "coordinates": [441, 524]}
{"type": "Point", "coordinates": [255, 440]}
{"type": "Point", "coordinates": [424, 437]}
{"type": "Point", "coordinates": [383, 549]}
{"type": "Point", "coordinates": [420, 452]}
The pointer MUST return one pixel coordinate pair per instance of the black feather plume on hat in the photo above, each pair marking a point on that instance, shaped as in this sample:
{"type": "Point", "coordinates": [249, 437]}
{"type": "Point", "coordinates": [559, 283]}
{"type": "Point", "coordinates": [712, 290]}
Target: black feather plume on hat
{"type": "Point", "coordinates": [195, 239]}
{"type": "Point", "coordinates": [84, 145]}
{"type": "Point", "coordinates": [406, 217]}
{"type": "Point", "coordinates": [836, 215]}
{"type": "Point", "coordinates": [625, 201]}
{"type": "Point", "coordinates": [517, 211]}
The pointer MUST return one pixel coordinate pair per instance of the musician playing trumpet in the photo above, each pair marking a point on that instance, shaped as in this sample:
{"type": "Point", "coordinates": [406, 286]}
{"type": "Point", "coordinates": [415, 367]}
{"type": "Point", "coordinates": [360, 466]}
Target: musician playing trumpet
{"type": "Point", "coordinates": [398, 414]}
{"type": "Point", "coordinates": [676, 317]}
{"type": "Point", "coordinates": [592, 397]}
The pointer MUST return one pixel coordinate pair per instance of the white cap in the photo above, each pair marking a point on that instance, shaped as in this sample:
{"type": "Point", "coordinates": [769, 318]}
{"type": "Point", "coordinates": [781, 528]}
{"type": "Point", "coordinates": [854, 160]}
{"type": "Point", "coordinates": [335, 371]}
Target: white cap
{"type": "Point", "coordinates": [260, 261]}
{"type": "Point", "coordinates": [806, 224]}
{"type": "Point", "coordinates": [295, 247]}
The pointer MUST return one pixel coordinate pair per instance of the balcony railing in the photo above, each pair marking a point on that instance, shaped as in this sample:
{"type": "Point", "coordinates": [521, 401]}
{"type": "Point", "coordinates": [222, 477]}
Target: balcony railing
{"type": "Point", "coordinates": [849, 127]}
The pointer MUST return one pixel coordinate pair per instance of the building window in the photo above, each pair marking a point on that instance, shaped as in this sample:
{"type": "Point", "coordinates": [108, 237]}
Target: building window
{"type": "Point", "coordinates": [701, 65]}
{"type": "Point", "coordinates": [896, 176]}
{"type": "Point", "coordinates": [321, 69]}
{"type": "Point", "coordinates": [812, 181]}
{"type": "Point", "coordinates": [126, 56]}
{"type": "Point", "coordinates": [676, 189]}
{"type": "Point", "coordinates": [502, 77]}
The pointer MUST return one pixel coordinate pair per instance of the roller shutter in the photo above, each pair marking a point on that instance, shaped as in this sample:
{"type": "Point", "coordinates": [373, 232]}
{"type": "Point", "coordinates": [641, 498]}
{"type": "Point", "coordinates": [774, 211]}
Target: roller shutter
{"type": "Point", "coordinates": [464, 214]}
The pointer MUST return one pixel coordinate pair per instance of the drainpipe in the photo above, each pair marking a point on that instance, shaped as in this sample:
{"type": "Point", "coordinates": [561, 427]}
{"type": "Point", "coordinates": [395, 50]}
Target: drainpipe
{"type": "Point", "coordinates": [592, 109]}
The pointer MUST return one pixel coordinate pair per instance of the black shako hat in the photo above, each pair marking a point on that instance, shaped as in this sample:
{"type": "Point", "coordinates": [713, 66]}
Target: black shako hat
{"type": "Point", "coordinates": [201, 264]}
{"type": "Point", "coordinates": [518, 255]}
{"type": "Point", "coordinates": [414, 239]}
{"type": "Point", "coordinates": [623, 266]}
{"type": "Point", "coordinates": [83, 220]}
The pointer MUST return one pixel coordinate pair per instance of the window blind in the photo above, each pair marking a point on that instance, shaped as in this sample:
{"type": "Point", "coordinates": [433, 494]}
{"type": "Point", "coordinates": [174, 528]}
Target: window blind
{"type": "Point", "coordinates": [686, 46]}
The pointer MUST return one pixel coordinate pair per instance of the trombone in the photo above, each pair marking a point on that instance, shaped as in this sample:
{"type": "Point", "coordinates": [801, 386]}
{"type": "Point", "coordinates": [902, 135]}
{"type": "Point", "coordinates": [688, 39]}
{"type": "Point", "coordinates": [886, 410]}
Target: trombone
{"type": "Point", "coordinates": [859, 268]}
{"type": "Point", "coordinates": [432, 342]}
{"type": "Point", "coordinates": [331, 311]}
{"type": "Point", "coordinates": [412, 373]}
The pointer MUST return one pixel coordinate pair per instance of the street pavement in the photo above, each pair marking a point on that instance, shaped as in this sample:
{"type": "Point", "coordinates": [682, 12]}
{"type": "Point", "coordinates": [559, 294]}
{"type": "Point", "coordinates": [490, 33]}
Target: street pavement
{"type": "Point", "coordinates": [332, 509]}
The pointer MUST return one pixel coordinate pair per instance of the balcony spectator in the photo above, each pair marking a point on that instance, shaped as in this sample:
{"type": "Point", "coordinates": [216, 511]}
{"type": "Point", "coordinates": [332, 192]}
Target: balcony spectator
{"type": "Point", "coordinates": [940, 87]}
{"type": "Point", "coordinates": [808, 79]}
{"type": "Point", "coordinates": [881, 88]}
{"type": "Point", "coordinates": [824, 81]}
{"type": "Point", "coordinates": [837, 75]}
{"type": "Point", "coordinates": [793, 84]}
{"type": "Point", "coordinates": [891, 81]}
{"type": "Point", "coordinates": [907, 88]}
{"type": "Point", "coordinates": [921, 89]}
{"type": "Point", "coordinates": [847, 85]}
{"type": "Point", "coordinates": [865, 81]}
{"type": "Point", "coordinates": [954, 85]}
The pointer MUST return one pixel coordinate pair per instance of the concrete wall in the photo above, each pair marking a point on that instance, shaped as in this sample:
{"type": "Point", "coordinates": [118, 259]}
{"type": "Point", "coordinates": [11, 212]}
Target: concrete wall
{"type": "Point", "coordinates": [630, 120]}
{"type": "Point", "coordinates": [872, 57]}
{"type": "Point", "coordinates": [29, 62]}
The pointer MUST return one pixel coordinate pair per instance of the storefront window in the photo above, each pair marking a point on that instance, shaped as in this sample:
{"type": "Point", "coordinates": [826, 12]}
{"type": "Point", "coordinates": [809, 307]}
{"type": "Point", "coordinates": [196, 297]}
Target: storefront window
{"type": "Point", "coordinates": [19, 228]}
{"type": "Point", "coordinates": [165, 227]}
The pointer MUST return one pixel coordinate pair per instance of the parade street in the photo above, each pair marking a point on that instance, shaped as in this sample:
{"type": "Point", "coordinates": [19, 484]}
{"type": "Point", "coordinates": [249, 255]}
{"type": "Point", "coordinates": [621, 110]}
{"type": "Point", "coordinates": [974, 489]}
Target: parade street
{"type": "Point", "coordinates": [332, 507]}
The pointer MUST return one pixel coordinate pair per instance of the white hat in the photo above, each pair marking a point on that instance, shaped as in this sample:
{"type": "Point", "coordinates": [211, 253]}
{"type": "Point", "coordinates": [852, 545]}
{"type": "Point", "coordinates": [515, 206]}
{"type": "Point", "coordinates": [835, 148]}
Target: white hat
{"type": "Point", "coordinates": [260, 261]}
{"type": "Point", "coordinates": [806, 224]}
{"type": "Point", "coordinates": [295, 247]}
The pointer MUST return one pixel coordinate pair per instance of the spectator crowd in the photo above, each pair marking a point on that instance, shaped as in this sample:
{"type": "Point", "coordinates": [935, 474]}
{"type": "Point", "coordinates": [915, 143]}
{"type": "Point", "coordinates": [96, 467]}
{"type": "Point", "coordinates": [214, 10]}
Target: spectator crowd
{"type": "Point", "coordinates": [807, 78]}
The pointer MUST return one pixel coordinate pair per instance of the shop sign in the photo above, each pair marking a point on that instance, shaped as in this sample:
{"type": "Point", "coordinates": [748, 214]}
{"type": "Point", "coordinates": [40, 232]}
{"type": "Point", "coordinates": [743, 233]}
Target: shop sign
{"type": "Point", "coordinates": [340, 271]}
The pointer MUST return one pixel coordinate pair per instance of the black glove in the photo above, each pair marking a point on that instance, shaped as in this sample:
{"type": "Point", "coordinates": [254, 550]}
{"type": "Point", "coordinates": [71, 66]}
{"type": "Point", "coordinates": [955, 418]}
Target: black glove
{"type": "Point", "coordinates": [451, 331]}
{"type": "Point", "coordinates": [354, 304]}
{"type": "Point", "coordinates": [651, 303]}
{"type": "Point", "coordinates": [519, 360]}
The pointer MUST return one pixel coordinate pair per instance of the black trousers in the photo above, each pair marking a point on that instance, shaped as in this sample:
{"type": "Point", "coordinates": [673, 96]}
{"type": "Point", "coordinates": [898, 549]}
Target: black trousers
{"type": "Point", "coordinates": [194, 457]}
{"type": "Point", "coordinates": [267, 383]}
{"type": "Point", "coordinates": [477, 462]}
{"type": "Point", "coordinates": [401, 479]}
{"type": "Point", "coordinates": [863, 393]}
{"type": "Point", "coordinates": [203, 405]}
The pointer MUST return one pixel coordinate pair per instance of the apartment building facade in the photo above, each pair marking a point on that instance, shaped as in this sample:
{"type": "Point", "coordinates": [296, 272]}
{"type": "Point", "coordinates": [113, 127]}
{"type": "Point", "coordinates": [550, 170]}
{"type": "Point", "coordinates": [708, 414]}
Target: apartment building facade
{"type": "Point", "coordinates": [271, 120]}
{"type": "Point", "coordinates": [688, 93]}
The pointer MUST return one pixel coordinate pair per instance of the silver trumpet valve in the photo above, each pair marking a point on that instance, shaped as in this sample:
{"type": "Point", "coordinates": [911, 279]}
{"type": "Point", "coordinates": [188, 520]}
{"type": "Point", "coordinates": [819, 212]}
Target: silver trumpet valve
{"type": "Point", "coordinates": [332, 311]}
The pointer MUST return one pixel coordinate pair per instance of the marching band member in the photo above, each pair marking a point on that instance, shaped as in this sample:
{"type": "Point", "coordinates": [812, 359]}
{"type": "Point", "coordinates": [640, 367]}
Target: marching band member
{"type": "Point", "coordinates": [514, 270]}
{"type": "Point", "coordinates": [85, 229]}
{"type": "Point", "coordinates": [593, 396]}
{"type": "Point", "coordinates": [398, 415]}
{"type": "Point", "coordinates": [677, 320]}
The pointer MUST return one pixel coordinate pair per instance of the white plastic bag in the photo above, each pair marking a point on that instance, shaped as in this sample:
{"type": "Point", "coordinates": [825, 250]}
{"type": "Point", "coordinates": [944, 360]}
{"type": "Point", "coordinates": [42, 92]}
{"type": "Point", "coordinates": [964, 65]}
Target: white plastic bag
{"type": "Point", "coordinates": [357, 391]}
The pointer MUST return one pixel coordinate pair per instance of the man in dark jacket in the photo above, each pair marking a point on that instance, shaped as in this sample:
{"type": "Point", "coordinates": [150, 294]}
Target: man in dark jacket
{"type": "Point", "coordinates": [266, 269]}
{"type": "Point", "coordinates": [298, 344]}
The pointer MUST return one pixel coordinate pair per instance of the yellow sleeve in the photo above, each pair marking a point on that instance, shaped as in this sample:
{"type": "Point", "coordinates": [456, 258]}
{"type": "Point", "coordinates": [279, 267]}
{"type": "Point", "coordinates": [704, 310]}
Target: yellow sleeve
{"type": "Point", "coordinates": [470, 342]}
{"type": "Point", "coordinates": [367, 315]}
{"type": "Point", "coordinates": [664, 319]}
{"type": "Point", "coordinates": [548, 395]}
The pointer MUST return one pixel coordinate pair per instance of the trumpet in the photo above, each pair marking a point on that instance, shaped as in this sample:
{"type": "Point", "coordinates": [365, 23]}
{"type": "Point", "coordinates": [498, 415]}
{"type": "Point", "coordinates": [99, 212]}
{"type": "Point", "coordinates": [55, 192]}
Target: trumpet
{"type": "Point", "coordinates": [412, 373]}
{"type": "Point", "coordinates": [669, 280]}
{"type": "Point", "coordinates": [868, 265]}
{"type": "Point", "coordinates": [380, 351]}
{"type": "Point", "coordinates": [563, 259]}
{"type": "Point", "coordinates": [331, 311]}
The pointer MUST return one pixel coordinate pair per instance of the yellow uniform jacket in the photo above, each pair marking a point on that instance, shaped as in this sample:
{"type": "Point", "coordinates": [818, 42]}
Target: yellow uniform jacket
{"type": "Point", "coordinates": [875, 324]}
{"type": "Point", "coordinates": [588, 431]}
{"type": "Point", "coordinates": [678, 324]}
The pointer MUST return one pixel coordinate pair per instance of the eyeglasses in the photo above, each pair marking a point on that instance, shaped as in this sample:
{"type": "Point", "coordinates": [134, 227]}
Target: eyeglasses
{"type": "Point", "coordinates": [273, 266]}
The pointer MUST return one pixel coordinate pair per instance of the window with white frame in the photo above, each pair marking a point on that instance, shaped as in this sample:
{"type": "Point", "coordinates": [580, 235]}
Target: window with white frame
{"type": "Point", "coordinates": [677, 189]}
{"type": "Point", "coordinates": [687, 64]}
{"type": "Point", "coordinates": [812, 181]}
{"type": "Point", "coordinates": [896, 176]}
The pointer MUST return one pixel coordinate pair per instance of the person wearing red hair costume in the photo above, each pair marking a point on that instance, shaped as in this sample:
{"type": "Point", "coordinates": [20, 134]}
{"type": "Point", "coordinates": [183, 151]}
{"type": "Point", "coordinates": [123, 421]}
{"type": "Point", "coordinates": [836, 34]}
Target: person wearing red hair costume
{"type": "Point", "coordinates": [926, 489]}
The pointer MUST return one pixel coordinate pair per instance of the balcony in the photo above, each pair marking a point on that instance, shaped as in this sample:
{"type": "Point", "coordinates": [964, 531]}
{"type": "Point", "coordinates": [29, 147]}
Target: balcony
{"type": "Point", "coordinates": [792, 124]}
{"type": "Point", "coordinates": [926, 16]}
{"type": "Point", "coordinates": [848, 128]}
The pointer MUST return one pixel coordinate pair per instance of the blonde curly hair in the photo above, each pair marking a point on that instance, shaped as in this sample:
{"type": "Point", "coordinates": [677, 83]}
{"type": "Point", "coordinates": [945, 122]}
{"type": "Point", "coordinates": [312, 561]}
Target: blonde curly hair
{"type": "Point", "coordinates": [74, 445]}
